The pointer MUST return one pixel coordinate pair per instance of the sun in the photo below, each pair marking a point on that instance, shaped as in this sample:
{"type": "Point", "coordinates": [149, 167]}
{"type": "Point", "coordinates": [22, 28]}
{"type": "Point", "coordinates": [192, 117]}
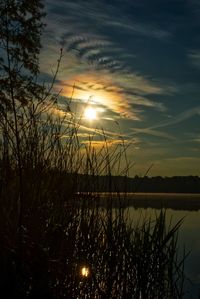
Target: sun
{"type": "Point", "coordinates": [90, 113]}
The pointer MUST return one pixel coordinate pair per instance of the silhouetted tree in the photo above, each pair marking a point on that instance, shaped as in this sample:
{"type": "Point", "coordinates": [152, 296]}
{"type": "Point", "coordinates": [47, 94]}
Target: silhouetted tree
{"type": "Point", "coordinates": [20, 32]}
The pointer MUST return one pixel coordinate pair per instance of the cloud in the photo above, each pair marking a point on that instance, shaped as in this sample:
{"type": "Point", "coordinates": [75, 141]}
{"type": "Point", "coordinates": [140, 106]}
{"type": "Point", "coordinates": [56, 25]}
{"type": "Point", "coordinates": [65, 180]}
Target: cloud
{"type": "Point", "coordinates": [97, 51]}
{"type": "Point", "coordinates": [194, 56]}
{"type": "Point", "coordinates": [147, 30]}
{"type": "Point", "coordinates": [179, 118]}
{"type": "Point", "coordinates": [86, 29]}
{"type": "Point", "coordinates": [109, 143]}
{"type": "Point", "coordinates": [120, 96]}
{"type": "Point", "coordinates": [97, 56]}
{"type": "Point", "coordinates": [152, 132]}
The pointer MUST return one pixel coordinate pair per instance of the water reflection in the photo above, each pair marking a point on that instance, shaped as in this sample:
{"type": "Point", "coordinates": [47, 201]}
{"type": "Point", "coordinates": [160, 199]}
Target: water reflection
{"type": "Point", "coordinates": [188, 238]}
{"type": "Point", "coordinates": [85, 271]}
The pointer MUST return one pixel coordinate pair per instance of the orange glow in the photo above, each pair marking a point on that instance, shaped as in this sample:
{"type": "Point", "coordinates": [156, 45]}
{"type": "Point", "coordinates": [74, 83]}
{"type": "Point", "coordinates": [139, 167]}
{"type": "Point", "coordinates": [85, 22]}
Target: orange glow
{"type": "Point", "coordinates": [92, 88]}
{"type": "Point", "coordinates": [85, 271]}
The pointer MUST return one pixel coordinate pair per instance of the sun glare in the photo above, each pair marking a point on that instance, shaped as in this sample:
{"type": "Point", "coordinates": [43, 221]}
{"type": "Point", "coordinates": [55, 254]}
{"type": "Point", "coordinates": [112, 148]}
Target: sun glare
{"type": "Point", "coordinates": [90, 113]}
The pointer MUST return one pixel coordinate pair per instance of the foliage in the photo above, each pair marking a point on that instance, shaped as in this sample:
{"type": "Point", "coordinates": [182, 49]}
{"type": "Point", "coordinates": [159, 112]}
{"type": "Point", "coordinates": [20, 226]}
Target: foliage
{"type": "Point", "coordinates": [20, 32]}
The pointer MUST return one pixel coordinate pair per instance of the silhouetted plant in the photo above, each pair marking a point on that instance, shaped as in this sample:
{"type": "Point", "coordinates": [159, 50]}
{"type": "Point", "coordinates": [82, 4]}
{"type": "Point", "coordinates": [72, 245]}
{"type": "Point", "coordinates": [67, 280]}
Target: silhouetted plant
{"type": "Point", "coordinates": [44, 169]}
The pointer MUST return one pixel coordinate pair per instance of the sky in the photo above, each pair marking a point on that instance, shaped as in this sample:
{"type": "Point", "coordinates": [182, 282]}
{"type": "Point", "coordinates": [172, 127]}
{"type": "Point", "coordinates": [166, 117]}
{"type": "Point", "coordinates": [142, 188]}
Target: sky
{"type": "Point", "coordinates": [137, 64]}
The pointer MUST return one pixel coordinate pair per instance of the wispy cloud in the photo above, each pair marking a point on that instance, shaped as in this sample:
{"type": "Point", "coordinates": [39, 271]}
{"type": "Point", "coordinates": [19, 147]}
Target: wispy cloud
{"type": "Point", "coordinates": [109, 143]}
{"type": "Point", "coordinates": [179, 118]}
{"type": "Point", "coordinates": [147, 30]}
{"type": "Point", "coordinates": [194, 57]}
{"type": "Point", "coordinates": [152, 132]}
{"type": "Point", "coordinates": [123, 97]}
{"type": "Point", "coordinates": [137, 62]}
{"type": "Point", "coordinates": [84, 32]}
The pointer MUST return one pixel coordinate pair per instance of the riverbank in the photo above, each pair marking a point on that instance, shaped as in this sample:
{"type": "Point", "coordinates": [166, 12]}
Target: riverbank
{"type": "Point", "coordinates": [176, 201]}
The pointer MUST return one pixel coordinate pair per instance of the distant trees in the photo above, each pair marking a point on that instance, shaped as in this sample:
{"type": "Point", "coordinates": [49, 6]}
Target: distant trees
{"type": "Point", "coordinates": [158, 184]}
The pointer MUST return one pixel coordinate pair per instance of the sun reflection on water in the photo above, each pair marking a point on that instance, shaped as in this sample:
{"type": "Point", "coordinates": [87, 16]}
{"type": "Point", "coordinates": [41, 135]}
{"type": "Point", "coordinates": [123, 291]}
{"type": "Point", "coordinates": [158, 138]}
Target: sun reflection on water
{"type": "Point", "coordinates": [85, 271]}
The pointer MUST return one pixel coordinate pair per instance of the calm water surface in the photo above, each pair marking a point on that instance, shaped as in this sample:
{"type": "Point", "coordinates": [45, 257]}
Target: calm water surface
{"type": "Point", "coordinates": [189, 237]}
{"type": "Point", "coordinates": [178, 206]}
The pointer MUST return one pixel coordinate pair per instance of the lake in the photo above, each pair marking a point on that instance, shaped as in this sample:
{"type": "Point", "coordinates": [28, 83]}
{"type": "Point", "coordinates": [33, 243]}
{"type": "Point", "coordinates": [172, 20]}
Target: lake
{"type": "Point", "coordinates": [178, 206]}
{"type": "Point", "coordinates": [175, 201]}
{"type": "Point", "coordinates": [189, 237]}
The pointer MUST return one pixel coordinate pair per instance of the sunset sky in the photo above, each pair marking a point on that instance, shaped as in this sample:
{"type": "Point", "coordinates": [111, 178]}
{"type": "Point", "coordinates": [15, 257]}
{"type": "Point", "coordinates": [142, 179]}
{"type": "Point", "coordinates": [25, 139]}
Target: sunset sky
{"type": "Point", "coordinates": [137, 64]}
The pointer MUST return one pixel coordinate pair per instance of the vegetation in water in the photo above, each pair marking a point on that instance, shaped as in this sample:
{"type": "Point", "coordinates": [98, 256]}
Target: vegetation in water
{"type": "Point", "coordinates": [57, 242]}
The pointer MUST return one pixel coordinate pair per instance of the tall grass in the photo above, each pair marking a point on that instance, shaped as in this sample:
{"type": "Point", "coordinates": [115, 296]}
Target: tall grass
{"type": "Point", "coordinates": [62, 229]}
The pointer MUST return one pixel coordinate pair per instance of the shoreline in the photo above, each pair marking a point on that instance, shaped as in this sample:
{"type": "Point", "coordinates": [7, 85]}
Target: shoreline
{"type": "Point", "coordinates": [176, 201]}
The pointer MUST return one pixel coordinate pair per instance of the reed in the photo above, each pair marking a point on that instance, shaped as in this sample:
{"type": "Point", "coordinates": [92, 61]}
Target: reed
{"type": "Point", "coordinates": [69, 246]}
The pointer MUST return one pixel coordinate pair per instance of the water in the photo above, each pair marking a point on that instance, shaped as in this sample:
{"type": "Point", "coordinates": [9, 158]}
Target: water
{"type": "Point", "coordinates": [188, 239]}
{"type": "Point", "coordinates": [178, 206]}
{"type": "Point", "coordinates": [175, 201]}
